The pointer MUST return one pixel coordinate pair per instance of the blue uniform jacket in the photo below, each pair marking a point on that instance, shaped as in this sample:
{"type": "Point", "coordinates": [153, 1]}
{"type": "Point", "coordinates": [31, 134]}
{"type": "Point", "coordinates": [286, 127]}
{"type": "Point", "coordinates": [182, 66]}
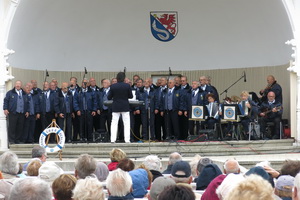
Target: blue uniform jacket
{"type": "Point", "coordinates": [201, 99]}
{"type": "Point", "coordinates": [90, 100]}
{"type": "Point", "coordinates": [141, 95]}
{"type": "Point", "coordinates": [42, 100]}
{"type": "Point", "coordinates": [10, 101]}
{"type": "Point", "coordinates": [178, 100]}
{"type": "Point", "coordinates": [35, 97]}
{"type": "Point", "coordinates": [59, 103]}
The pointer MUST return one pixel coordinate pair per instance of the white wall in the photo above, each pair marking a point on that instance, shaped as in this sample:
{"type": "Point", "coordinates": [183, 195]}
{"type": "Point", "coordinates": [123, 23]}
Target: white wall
{"type": "Point", "coordinates": [107, 35]}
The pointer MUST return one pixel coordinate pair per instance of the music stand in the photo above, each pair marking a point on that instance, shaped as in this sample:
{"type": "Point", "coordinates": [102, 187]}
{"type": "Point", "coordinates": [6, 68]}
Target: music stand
{"type": "Point", "coordinates": [231, 114]}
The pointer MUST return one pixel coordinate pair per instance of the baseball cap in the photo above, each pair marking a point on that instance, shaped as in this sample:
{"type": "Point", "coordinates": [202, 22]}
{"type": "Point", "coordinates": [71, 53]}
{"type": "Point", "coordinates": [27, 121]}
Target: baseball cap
{"type": "Point", "coordinates": [49, 171]}
{"type": "Point", "coordinates": [181, 169]}
{"type": "Point", "coordinates": [285, 183]}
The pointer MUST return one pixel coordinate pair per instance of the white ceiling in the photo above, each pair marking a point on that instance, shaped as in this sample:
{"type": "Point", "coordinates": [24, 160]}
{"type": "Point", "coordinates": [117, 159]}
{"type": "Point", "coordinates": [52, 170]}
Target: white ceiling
{"type": "Point", "coordinates": [107, 35]}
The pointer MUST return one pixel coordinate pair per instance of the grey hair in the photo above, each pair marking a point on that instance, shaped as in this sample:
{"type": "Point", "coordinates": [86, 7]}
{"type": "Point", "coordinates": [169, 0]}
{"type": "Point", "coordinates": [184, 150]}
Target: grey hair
{"type": "Point", "coordinates": [152, 162]}
{"type": "Point", "coordinates": [9, 163]}
{"type": "Point", "coordinates": [30, 189]}
{"type": "Point", "coordinates": [233, 168]}
{"type": "Point", "coordinates": [174, 157]}
{"type": "Point", "coordinates": [101, 171]}
{"type": "Point", "coordinates": [119, 183]}
{"type": "Point", "coordinates": [181, 179]}
{"type": "Point", "coordinates": [85, 165]}
{"type": "Point", "coordinates": [38, 152]}
{"type": "Point", "coordinates": [88, 188]}
{"type": "Point", "coordinates": [297, 184]}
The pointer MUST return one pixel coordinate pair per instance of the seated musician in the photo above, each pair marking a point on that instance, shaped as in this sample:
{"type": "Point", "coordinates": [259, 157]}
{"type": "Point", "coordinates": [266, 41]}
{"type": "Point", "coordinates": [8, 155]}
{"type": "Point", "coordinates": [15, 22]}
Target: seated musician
{"type": "Point", "coordinates": [248, 110]}
{"type": "Point", "coordinates": [270, 111]}
{"type": "Point", "coordinates": [212, 111]}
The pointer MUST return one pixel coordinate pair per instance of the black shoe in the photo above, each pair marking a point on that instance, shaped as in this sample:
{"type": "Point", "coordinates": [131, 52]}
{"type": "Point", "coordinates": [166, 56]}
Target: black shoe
{"type": "Point", "coordinates": [69, 141]}
{"type": "Point", "coordinates": [275, 137]}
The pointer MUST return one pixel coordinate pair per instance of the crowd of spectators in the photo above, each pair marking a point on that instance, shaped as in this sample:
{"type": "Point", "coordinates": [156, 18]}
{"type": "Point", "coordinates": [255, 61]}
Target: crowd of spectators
{"type": "Point", "coordinates": [180, 180]}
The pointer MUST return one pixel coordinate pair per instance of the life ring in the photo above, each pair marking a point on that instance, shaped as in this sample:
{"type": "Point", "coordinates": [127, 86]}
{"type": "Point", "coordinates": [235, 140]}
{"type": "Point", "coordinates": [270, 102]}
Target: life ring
{"type": "Point", "coordinates": [60, 144]}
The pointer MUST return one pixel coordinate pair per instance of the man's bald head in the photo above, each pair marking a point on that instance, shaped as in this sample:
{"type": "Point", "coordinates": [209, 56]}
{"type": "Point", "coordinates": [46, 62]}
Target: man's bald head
{"type": "Point", "coordinates": [231, 166]}
{"type": "Point", "coordinates": [174, 157]}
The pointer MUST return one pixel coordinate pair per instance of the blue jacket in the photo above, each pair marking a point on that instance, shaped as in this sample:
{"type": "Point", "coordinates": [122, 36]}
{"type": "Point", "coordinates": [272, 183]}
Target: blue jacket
{"type": "Point", "coordinates": [201, 98]}
{"type": "Point", "coordinates": [140, 182]}
{"type": "Point", "coordinates": [178, 100]}
{"type": "Point", "coordinates": [59, 103]}
{"type": "Point", "coordinates": [42, 100]}
{"type": "Point", "coordinates": [35, 97]}
{"type": "Point", "coordinates": [91, 100]}
{"type": "Point", "coordinates": [141, 95]}
{"type": "Point", "coordinates": [265, 107]}
{"type": "Point", "coordinates": [120, 93]}
{"type": "Point", "coordinates": [10, 101]}
{"type": "Point", "coordinates": [157, 96]}
{"type": "Point", "coordinates": [127, 197]}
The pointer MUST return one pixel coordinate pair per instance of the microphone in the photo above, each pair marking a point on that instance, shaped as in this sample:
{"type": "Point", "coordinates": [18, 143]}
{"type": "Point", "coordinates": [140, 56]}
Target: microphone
{"type": "Point", "coordinates": [245, 80]}
{"type": "Point", "coordinates": [47, 74]}
{"type": "Point", "coordinates": [85, 71]}
{"type": "Point", "coordinates": [170, 72]}
{"type": "Point", "coordinates": [125, 70]}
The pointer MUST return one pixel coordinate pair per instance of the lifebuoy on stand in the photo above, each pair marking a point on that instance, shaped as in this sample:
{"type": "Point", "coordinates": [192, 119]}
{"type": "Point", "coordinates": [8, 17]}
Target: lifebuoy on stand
{"type": "Point", "coordinates": [53, 128]}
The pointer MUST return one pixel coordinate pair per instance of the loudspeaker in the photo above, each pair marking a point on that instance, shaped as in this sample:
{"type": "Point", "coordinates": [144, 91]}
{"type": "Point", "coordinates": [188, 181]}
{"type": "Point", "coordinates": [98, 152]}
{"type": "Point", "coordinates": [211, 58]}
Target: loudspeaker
{"type": "Point", "coordinates": [196, 138]}
{"type": "Point", "coordinates": [211, 133]}
{"type": "Point", "coordinates": [101, 136]}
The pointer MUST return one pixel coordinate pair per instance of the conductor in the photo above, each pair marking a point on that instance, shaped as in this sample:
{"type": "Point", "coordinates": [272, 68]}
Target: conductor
{"type": "Point", "coordinates": [120, 93]}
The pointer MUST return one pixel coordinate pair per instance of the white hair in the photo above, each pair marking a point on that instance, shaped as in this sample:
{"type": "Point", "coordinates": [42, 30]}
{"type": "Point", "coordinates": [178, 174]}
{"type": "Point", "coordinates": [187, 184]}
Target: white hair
{"type": "Point", "coordinates": [119, 183]}
{"type": "Point", "coordinates": [30, 189]}
{"type": "Point", "coordinates": [297, 184]}
{"type": "Point", "coordinates": [174, 157]}
{"type": "Point", "coordinates": [233, 167]}
{"type": "Point", "coordinates": [88, 189]}
{"type": "Point", "coordinates": [152, 162]}
{"type": "Point", "coordinates": [85, 165]}
{"type": "Point", "coordinates": [9, 163]}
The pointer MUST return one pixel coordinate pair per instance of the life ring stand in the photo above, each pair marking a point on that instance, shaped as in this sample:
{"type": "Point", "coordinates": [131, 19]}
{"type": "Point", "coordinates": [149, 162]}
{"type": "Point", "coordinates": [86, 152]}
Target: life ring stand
{"type": "Point", "coordinates": [53, 128]}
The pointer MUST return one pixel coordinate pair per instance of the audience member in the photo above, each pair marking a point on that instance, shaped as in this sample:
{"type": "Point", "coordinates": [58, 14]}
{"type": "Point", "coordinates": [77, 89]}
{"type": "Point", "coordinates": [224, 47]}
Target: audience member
{"type": "Point", "coordinates": [101, 171]}
{"type": "Point", "coordinates": [33, 168]}
{"type": "Point", "coordinates": [119, 185]}
{"type": "Point", "coordinates": [115, 156]}
{"type": "Point", "coordinates": [208, 173]}
{"type": "Point", "coordinates": [30, 189]}
{"type": "Point", "coordinates": [296, 191]}
{"type": "Point", "coordinates": [150, 176]}
{"type": "Point", "coordinates": [9, 165]}
{"type": "Point", "coordinates": [177, 192]}
{"type": "Point", "coordinates": [62, 187]}
{"type": "Point", "coordinates": [158, 186]}
{"type": "Point", "coordinates": [252, 188]}
{"type": "Point", "coordinates": [290, 167]}
{"type": "Point", "coordinates": [228, 184]}
{"type": "Point", "coordinates": [173, 158]}
{"type": "Point", "coordinates": [126, 165]}
{"type": "Point", "coordinates": [5, 187]}
{"type": "Point", "coordinates": [201, 164]}
{"type": "Point", "coordinates": [49, 171]}
{"type": "Point", "coordinates": [140, 182]}
{"type": "Point", "coordinates": [153, 163]}
{"type": "Point", "coordinates": [20, 173]}
{"type": "Point", "coordinates": [284, 187]}
{"type": "Point", "coordinates": [37, 153]}
{"type": "Point", "coordinates": [194, 164]}
{"type": "Point", "coordinates": [85, 165]}
{"type": "Point", "coordinates": [230, 166]}
{"type": "Point", "coordinates": [88, 189]}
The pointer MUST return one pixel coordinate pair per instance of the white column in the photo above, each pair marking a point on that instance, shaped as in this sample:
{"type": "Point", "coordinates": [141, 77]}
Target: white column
{"type": "Point", "coordinates": [293, 11]}
{"type": "Point", "coordinates": [7, 12]}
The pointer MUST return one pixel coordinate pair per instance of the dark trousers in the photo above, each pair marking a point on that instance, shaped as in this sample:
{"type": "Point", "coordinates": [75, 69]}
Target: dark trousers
{"type": "Point", "coordinates": [211, 122]}
{"type": "Point", "coordinates": [76, 126]}
{"type": "Point", "coordinates": [105, 119]}
{"type": "Point", "coordinates": [46, 120]}
{"type": "Point", "coordinates": [68, 128]}
{"type": "Point", "coordinates": [172, 124]}
{"type": "Point", "coordinates": [263, 122]}
{"type": "Point", "coordinates": [137, 125]}
{"type": "Point", "coordinates": [183, 126]}
{"type": "Point", "coordinates": [29, 126]}
{"type": "Point", "coordinates": [96, 122]}
{"type": "Point", "coordinates": [146, 122]}
{"type": "Point", "coordinates": [15, 127]}
{"type": "Point", "coordinates": [245, 123]}
{"type": "Point", "coordinates": [86, 126]}
{"type": "Point", "coordinates": [160, 129]}
{"type": "Point", "coordinates": [192, 125]}
{"type": "Point", "coordinates": [38, 130]}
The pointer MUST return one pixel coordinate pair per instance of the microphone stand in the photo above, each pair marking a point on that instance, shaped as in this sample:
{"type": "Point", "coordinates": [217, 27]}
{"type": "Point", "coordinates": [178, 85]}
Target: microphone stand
{"type": "Point", "coordinates": [149, 120]}
{"type": "Point", "coordinates": [166, 109]}
{"type": "Point", "coordinates": [226, 90]}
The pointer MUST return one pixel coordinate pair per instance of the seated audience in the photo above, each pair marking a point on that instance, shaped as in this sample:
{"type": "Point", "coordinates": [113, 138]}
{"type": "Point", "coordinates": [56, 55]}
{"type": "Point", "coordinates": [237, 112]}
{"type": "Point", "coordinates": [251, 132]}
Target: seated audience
{"type": "Point", "coordinates": [252, 187]}
{"type": "Point", "coordinates": [126, 165]}
{"type": "Point", "coordinates": [33, 168]}
{"type": "Point", "coordinates": [140, 182]}
{"type": "Point", "coordinates": [150, 176]}
{"type": "Point", "coordinates": [119, 185]}
{"type": "Point", "coordinates": [208, 173]}
{"type": "Point", "coordinates": [153, 163]}
{"type": "Point", "coordinates": [230, 166]}
{"type": "Point", "coordinates": [158, 186]}
{"type": "Point", "coordinates": [194, 164]}
{"type": "Point", "coordinates": [37, 153]}
{"type": "Point", "coordinates": [49, 171]}
{"type": "Point", "coordinates": [201, 164]}
{"type": "Point", "coordinates": [115, 156]}
{"type": "Point", "coordinates": [228, 184]}
{"type": "Point", "coordinates": [284, 187]}
{"type": "Point", "coordinates": [30, 189]}
{"type": "Point", "coordinates": [9, 165]}
{"type": "Point", "coordinates": [88, 188]}
{"type": "Point", "coordinates": [85, 165]}
{"type": "Point", "coordinates": [174, 157]}
{"type": "Point", "coordinates": [101, 171]}
{"type": "Point", "coordinates": [62, 187]}
{"type": "Point", "coordinates": [177, 192]}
